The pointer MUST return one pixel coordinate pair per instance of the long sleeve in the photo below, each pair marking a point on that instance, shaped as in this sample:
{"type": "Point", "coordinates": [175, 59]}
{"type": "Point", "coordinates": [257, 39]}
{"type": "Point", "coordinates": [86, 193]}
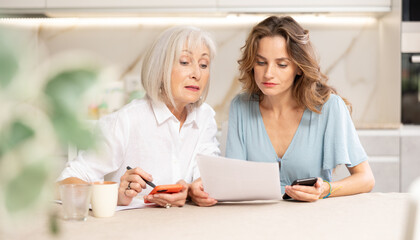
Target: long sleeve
{"type": "Point", "coordinates": [208, 144]}
{"type": "Point", "coordinates": [93, 165]}
{"type": "Point", "coordinates": [146, 134]}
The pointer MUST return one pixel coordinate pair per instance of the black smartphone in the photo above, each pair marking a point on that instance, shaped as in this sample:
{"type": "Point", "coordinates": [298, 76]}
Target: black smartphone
{"type": "Point", "coordinates": [304, 181]}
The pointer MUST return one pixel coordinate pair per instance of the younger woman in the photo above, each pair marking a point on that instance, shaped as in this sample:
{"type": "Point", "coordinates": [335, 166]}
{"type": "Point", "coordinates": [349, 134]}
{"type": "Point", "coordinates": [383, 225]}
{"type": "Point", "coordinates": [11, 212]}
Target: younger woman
{"type": "Point", "coordinates": [290, 115]}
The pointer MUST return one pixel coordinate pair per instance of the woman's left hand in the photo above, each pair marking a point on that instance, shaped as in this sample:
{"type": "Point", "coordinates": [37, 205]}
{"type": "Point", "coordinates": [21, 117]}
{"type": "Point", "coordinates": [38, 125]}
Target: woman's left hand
{"type": "Point", "coordinates": [306, 193]}
{"type": "Point", "coordinates": [171, 200]}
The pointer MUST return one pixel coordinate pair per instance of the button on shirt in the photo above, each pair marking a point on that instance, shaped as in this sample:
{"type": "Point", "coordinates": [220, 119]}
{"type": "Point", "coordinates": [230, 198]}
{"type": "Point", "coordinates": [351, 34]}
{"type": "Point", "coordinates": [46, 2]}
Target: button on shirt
{"type": "Point", "coordinates": [146, 134]}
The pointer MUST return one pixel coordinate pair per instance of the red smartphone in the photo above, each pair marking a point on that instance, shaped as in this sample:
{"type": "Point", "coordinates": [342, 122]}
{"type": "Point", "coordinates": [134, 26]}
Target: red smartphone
{"type": "Point", "coordinates": [305, 181]}
{"type": "Point", "coordinates": [171, 188]}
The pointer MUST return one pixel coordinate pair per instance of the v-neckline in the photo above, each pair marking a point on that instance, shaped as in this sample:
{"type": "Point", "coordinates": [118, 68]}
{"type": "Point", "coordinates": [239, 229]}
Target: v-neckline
{"type": "Point", "coordinates": [267, 137]}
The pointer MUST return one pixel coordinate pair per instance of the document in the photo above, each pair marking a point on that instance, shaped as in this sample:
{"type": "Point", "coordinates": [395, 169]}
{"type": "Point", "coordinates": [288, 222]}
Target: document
{"type": "Point", "coordinates": [226, 179]}
{"type": "Point", "coordinates": [136, 203]}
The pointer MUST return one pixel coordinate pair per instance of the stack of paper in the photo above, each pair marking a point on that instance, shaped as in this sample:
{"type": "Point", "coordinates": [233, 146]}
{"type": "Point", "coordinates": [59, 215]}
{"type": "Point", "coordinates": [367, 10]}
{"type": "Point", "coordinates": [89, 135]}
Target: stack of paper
{"type": "Point", "coordinates": [227, 179]}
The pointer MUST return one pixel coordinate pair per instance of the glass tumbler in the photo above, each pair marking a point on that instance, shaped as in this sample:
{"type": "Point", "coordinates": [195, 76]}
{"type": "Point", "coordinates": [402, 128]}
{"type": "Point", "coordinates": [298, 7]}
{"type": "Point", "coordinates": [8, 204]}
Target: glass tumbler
{"type": "Point", "coordinates": [75, 199]}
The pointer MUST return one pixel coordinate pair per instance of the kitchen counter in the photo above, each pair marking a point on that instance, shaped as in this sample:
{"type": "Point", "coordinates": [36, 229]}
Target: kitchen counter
{"type": "Point", "coordinates": [364, 216]}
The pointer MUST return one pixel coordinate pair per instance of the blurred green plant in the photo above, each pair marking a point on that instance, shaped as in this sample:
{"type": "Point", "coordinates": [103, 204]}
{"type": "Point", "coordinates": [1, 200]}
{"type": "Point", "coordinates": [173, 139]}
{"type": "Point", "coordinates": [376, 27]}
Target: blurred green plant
{"type": "Point", "coordinates": [31, 129]}
{"type": "Point", "coordinates": [9, 63]}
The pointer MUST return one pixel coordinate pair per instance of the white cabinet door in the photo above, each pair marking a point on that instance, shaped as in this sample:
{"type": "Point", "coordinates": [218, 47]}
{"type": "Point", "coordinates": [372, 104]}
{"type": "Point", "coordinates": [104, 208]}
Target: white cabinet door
{"type": "Point", "coordinates": [100, 4]}
{"type": "Point", "coordinates": [410, 159]}
{"type": "Point", "coordinates": [22, 3]}
{"type": "Point", "coordinates": [310, 5]}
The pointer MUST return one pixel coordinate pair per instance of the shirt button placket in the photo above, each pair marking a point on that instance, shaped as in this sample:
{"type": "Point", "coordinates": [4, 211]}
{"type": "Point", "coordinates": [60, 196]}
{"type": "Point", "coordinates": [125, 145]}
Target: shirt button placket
{"type": "Point", "coordinates": [175, 156]}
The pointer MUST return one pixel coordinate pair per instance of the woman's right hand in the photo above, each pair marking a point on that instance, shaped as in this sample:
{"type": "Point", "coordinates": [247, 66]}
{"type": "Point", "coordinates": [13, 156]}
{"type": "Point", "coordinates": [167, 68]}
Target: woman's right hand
{"type": "Point", "coordinates": [132, 178]}
{"type": "Point", "coordinates": [306, 193]}
{"type": "Point", "coordinates": [198, 196]}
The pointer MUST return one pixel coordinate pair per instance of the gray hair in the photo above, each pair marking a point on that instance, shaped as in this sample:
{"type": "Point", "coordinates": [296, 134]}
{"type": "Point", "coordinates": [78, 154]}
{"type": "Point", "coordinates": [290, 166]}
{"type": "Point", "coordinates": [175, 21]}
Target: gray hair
{"type": "Point", "coordinates": [159, 59]}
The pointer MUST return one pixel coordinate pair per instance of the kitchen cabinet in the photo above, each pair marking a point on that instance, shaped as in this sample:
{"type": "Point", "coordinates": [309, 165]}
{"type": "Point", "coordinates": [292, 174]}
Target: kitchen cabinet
{"type": "Point", "coordinates": [307, 5]}
{"type": "Point", "coordinates": [210, 6]}
{"type": "Point", "coordinates": [19, 4]}
{"type": "Point", "coordinates": [157, 5]}
{"type": "Point", "coordinates": [394, 156]}
{"type": "Point", "coordinates": [383, 149]}
{"type": "Point", "coordinates": [302, 3]}
{"type": "Point", "coordinates": [410, 156]}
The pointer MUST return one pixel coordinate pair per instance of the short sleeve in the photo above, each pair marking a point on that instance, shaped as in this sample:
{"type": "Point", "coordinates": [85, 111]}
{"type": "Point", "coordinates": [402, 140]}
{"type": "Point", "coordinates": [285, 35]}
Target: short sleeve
{"type": "Point", "coordinates": [235, 144]}
{"type": "Point", "coordinates": [341, 142]}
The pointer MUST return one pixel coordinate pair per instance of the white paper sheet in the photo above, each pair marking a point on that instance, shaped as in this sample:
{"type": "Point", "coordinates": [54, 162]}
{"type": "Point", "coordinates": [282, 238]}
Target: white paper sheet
{"type": "Point", "coordinates": [136, 203]}
{"type": "Point", "coordinates": [227, 179]}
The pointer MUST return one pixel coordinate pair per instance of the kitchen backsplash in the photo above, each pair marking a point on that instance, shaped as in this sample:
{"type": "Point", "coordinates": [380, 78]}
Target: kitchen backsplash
{"type": "Point", "coordinates": [349, 53]}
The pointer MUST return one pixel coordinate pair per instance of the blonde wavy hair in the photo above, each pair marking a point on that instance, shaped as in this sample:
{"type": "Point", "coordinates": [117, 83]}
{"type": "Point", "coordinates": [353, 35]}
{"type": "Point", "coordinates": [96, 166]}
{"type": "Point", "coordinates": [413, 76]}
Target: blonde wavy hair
{"type": "Point", "coordinates": [310, 89]}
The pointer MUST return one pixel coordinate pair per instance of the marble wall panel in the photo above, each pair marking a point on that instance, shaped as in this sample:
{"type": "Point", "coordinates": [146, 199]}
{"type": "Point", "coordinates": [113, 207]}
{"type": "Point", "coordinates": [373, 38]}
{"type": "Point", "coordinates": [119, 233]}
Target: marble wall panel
{"type": "Point", "coordinates": [349, 55]}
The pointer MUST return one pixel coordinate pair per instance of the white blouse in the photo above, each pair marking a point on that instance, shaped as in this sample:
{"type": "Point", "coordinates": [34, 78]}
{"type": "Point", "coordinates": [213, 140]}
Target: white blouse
{"type": "Point", "coordinates": [147, 135]}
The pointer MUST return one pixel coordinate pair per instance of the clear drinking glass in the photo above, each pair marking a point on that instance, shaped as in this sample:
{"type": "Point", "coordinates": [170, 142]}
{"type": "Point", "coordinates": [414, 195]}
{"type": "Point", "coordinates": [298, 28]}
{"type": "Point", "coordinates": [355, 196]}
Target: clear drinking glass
{"type": "Point", "coordinates": [75, 199]}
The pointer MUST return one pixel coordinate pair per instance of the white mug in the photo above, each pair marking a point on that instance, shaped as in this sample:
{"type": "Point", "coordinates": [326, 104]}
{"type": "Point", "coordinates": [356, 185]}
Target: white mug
{"type": "Point", "coordinates": [104, 198]}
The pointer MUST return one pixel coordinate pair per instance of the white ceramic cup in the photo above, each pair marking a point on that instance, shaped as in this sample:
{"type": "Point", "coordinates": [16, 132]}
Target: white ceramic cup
{"type": "Point", "coordinates": [104, 198]}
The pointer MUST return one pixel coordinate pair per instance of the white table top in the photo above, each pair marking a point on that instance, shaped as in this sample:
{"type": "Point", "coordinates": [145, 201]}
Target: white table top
{"type": "Point", "coordinates": [364, 216]}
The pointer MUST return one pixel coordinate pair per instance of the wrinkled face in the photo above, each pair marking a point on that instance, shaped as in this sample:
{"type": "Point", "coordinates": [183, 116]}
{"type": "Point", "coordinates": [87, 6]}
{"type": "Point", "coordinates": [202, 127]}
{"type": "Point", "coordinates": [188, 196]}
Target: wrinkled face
{"type": "Point", "coordinates": [190, 74]}
{"type": "Point", "coordinates": [274, 71]}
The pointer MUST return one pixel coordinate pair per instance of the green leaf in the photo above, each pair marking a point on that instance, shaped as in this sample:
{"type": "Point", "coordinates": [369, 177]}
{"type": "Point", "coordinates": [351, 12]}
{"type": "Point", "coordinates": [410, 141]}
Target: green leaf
{"type": "Point", "coordinates": [8, 63]}
{"type": "Point", "coordinates": [14, 136]}
{"type": "Point", "coordinates": [70, 130]}
{"type": "Point", "coordinates": [64, 91]}
{"type": "Point", "coordinates": [66, 88]}
{"type": "Point", "coordinates": [25, 188]}
{"type": "Point", "coordinates": [54, 225]}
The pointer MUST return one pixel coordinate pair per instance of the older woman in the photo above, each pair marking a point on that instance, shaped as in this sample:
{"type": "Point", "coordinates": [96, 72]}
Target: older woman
{"type": "Point", "coordinates": [161, 134]}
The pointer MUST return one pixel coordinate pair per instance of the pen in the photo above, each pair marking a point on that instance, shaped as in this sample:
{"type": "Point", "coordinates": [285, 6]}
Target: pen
{"type": "Point", "coordinates": [147, 182]}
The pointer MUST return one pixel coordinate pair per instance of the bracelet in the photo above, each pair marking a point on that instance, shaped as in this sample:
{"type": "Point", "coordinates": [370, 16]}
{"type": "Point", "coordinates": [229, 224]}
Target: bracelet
{"type": "Point", "coordinates": [335, 189]}
{"type": "Point", "coordinates": [329, 191]}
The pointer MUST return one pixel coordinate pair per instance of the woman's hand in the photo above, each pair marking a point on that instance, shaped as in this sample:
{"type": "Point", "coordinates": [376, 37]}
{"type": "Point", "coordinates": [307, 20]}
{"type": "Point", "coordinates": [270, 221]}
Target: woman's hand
{"type": "Point", "coordinates": [174, 199]}
{"type": "Point", "coordinates": [198, 196]}
{"type": "Point", "coordinates": [131, 183]}
{"type": "Point", "coordinates": [306, 193]}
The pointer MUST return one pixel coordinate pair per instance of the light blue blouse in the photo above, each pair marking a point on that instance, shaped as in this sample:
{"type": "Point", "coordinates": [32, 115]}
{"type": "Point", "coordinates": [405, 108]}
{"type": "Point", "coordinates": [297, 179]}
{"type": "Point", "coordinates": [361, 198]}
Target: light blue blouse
{"type": "Point", "coordinates": [321, 142]}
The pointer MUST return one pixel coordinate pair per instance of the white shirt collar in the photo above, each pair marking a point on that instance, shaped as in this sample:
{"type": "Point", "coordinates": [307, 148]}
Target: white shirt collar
{"type": "Point", "coordinates": [162, 113]}
{"type": "Point", "coordinates": [192, 116]}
